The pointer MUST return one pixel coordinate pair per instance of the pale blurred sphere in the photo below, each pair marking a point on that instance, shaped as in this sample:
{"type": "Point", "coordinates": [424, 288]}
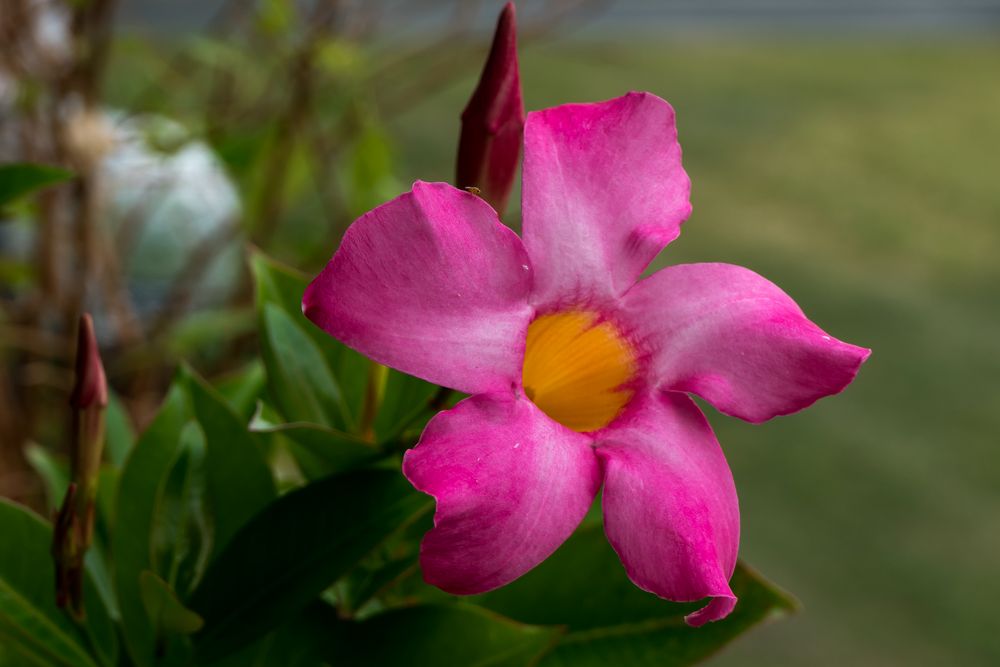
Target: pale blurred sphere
{"type": "Point", "coordinates": [167, 196]}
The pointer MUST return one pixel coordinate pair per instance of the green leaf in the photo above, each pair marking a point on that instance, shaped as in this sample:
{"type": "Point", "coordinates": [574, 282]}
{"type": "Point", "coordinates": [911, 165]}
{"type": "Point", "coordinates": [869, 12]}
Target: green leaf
{"type": "Point", "coordinates": [17, 180]}
{"type": "Point", "coordinates": [584, 586]}
{"type": "Point", "coordinates": [294, 549]}
{"type": "Point", "coordinates": [54, 472]}
{"type": "Point", "coordinates": [299, 642]}
{"type": "Point", "coordinates": [438, 635]}
{"type": "Point", "coordinates": [208, 329]}
{"type": "Point", "coordinates": [282, 288]}
{"type": "Point", "coordinates": [165, 611]}
{"type": "Point", "coordinates": [243, 388]}
{"type": "Point", "coordinates": [303, 387]}
{"type": "Point", "coordinates": [239, 480]}
{"type": "Point", "coordinates": [142, 479]}
{"type": "Point", "coordinates": [404, 401]}
{"type": "Point", "coordinates": [181, 539]}
{"type": "Point", "coordinates": [120, 434]}
{"type": "Point", "coordinates": [32, 628]}
{"type": "Point", "coordinates": [369, 181]}
{"type": "Point", "coordinates": [321, 451]}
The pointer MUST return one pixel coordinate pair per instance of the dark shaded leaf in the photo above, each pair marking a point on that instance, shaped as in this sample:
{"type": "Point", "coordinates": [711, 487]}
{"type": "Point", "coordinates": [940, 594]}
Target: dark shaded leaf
{"type": "Point", "coordinates": [294, 549]}
{"type": "Point", "coordinates": [584, 586]}
{"type": "Point", "coordinates": [17, 180]}
{"type": "Point", "coordinates": [321, 451]}
{"type": "Point", "coordinates": [181, 539]}
{"type": "Point", "coordinates": [238, 478]}
{"type": "Point", "coordinates": [454, 634]}
{"type": "Point", "coordinates": [141, 481]}
{"type": "Point", "coordinates": [165, 611]}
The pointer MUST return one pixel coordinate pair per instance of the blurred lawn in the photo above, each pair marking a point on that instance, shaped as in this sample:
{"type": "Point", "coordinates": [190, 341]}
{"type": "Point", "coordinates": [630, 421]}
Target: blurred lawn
{"type": "Point", "coordinates": [862, 178]}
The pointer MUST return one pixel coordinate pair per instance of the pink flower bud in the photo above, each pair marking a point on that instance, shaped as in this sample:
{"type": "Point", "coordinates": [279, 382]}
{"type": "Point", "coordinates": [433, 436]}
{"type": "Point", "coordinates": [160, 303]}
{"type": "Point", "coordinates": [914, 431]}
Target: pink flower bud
{"type": "Point", "coordinates": [91, 386]}
{"type": "Point", "coordinates": [74, 524]}
{"type": "Point", "coordinates": [493, 121]}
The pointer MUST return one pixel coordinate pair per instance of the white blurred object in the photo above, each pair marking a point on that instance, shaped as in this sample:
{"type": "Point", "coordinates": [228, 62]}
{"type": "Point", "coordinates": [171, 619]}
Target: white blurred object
{"type": "Point", "coordinates": [166, 198]}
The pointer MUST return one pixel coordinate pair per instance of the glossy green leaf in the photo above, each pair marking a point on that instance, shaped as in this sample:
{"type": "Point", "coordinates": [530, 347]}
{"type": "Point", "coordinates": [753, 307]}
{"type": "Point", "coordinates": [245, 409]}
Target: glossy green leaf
{"type": "Point", "coordinates": [584, 586]}
{"type": "Point", "coordinates": [243, 388]}
{"type": "Point", "coordinates": [282, 287]}
{"type": "Point", "coordinates": [181, 539]}
{"type": "Point", "coordinates": [239, 480]}
{"type": "Point", "coordinates": [668, 642]}
{"type": "Point", "coordinates": [321, 451]}
{"type": "Point", "coordinates": [142, 478]}
{"type": "Point", "coordinates": [294, 549]}
{"type": "Point", "coordinates": [405, 401]}
{"type": "Point", "coordinates": [302, 384]}
{"type": "Point", "coordinates": [454, 634]}
{"type": "Point", "coordinates": [17, 180]}
{"type": "Point", "coordinates": [167, 614]}
{"type": "Point", "coordinates": [120, 436]}
{"type": "Point", "coordinates": [33, 629]}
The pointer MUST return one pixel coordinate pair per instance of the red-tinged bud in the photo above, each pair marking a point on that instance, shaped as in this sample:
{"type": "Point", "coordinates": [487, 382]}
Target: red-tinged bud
{"type": "Point", "coordinates": [74, 525]}
{"type": "Point", "coordinates": [91, 386]}
{"type": "Point", "coordinates": [493, 121]}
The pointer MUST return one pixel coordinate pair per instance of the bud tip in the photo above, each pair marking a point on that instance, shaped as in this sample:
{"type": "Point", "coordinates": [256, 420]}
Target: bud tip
{"type": "Point", "coordinates": [91, 385]}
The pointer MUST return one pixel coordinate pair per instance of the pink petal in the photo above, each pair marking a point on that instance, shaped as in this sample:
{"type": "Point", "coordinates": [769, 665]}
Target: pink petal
{"type": "Point", "coordinates": [670, 508]}
{"type": "Point", "coordinates": [603, 193]}
{"type": "Point", "coordinates": [511, 485]}
{"type": "Point", "coordinates": [735, 339]}
{"type": "Point", "coordinates": [432, 284]}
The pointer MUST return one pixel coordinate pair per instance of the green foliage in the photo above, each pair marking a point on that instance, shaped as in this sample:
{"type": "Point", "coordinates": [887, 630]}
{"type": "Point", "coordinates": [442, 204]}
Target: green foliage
{"type": "Point", "coordinates": [33, 630]}
{"type": "Point", "coordinates": [311, 377]}
{"type": "Point", "coordinates": [238, 479]}
{"type": "Point", "coordinates": [139, 494]}
{"type": "Point", "coordinates": [440, 634]}
{"type": "Point", "coordinates": [609, 621]}
{"type": "Point", "coordinates": [164, 610]}
{"type": "Point", "coordinates": [213, 567]}
{"type": "Point", "coordinates": [322, 451]}
{"type": "Point", "coordinates": [18, 180]}
{"type": "Point", "coordinates": [293, 550]}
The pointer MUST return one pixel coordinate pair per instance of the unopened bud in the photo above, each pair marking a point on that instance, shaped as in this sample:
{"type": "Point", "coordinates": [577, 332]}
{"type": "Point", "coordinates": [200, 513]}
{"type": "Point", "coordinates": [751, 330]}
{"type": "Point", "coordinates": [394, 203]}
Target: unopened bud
{"type": "Point", "coordinates": [91, 386]}
{"type": "Point", "coordinates": [74, 525]}
{"type": "Point", "coordinates": [493, 121]}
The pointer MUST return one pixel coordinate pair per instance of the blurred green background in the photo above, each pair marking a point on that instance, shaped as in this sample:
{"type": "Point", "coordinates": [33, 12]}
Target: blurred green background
{"type": "Point", "coordinates": [857, 168]}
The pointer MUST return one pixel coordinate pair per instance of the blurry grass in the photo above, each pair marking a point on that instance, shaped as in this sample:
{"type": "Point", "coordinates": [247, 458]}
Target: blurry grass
{"type": "Point", "coordinates": [862, 178]}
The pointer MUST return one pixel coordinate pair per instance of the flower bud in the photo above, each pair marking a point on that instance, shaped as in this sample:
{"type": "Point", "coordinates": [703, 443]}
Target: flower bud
{"type": "Point", "coordinates": [493, 120]}
{"type": "Point", "coordinates": [74, 524]}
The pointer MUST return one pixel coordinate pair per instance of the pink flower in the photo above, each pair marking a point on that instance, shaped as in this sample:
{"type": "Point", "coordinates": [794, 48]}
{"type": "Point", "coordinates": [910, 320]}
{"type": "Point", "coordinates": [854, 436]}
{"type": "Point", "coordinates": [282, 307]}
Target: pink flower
{"type": "Point", "coordinates": [579, 374]}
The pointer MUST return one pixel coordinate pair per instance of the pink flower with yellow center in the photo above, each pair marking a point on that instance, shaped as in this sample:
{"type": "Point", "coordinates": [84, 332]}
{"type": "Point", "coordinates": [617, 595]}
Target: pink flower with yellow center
{"type": "Point", "coordinates": [579, 372]}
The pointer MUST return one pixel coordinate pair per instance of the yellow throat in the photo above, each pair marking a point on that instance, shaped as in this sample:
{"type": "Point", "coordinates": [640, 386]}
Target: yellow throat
{"type": "Point", "coordinates": [576, 369]}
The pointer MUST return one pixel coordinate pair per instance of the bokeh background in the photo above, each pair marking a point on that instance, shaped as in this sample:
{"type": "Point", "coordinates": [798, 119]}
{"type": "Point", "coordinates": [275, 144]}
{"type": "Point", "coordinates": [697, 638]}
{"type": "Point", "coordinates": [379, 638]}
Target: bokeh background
{"type": "Point", "coordinates": [846, 150]}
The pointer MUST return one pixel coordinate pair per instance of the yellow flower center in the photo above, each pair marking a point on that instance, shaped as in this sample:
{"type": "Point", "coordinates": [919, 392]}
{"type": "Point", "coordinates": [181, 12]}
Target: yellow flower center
{"type": "Point", "coordinates": [576, 369]}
